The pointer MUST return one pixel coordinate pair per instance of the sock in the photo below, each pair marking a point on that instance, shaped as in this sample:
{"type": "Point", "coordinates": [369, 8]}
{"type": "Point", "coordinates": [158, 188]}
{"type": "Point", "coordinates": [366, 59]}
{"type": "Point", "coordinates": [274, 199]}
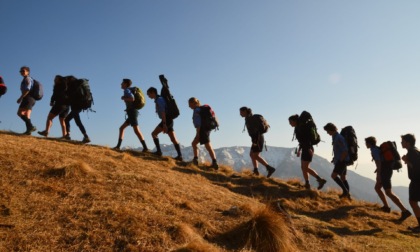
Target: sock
{"type": "Point", "coordinates": [346, 184]}
{"type": "Point", "coordinates": [119, 143]}
{"type": "Point", "coordinates": [143, 143]}
{"type": "Point", "coordinates": [214, 161]}
{"type": "Point", "coordinates": [27, 122]}
{"type": "Point", "coordinates": [341, 184]}
{"type": "Point", "coordinates": [178, 149]}
{"type": "Point", "coordinates": [156, 141]}
{"type": "Point", "coordinates": [318, 177]}
{"type": "Point", "coordinates": [307, 182]}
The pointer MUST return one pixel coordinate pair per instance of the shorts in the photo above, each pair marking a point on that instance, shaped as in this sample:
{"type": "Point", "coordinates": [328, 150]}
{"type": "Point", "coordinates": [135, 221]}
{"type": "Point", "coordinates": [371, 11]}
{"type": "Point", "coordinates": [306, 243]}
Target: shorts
{"type": "Point", "coordinates": [204, 136]}
{"type": "Point", "coordinates": [257, 143]}
{"type": "Point", "coordinates": [414, 191]}
{"type": "Point", "coordinates": [306, 155]}
{"type": "Point", "coordinates": [28, 102]}
{"type": "Point", "coordinates": [132, 115]}
{"type": "Point", "coordinates": [60, 109]}
{"type": "Point", "coordinates": [340, 168]}
{"type": "Point", "coordinates": [386, 175]}
{"type": "Point", "coordinates": [169, 124]}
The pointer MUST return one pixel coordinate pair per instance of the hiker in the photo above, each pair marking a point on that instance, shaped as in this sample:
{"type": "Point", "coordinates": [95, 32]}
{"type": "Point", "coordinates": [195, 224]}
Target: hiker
{"type": "Point", "coordinates": [339, 160]}
{"type": "Point", "coordinates": [202, 135]}
{"type": "Point", "coordinates": [412, 159]}
{"type": "Point", "coordinates": [258, 141]}
{"type": "Point", "coordinates": [75, 109]}
{"type": "Point", "coordinates": [166, 125]}
{"type": "Point", "coordinates": [59, 106]}
{"type": "Point", "coordinates": [3, 87]}
{"type": "Point", "coordinates": [26, 101]}
{"type": "Point", "coordinates": [305, 152]}
{"type": "Point", "coordinates": [383, 179]}
{"type": "Point", "coordinates": [132, 116]}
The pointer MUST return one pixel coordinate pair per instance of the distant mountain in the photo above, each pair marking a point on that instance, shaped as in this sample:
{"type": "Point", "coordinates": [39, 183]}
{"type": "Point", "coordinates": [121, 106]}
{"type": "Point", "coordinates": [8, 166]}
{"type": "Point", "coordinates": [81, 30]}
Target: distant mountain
{"type": "Point", "coordinates": [287, 165]}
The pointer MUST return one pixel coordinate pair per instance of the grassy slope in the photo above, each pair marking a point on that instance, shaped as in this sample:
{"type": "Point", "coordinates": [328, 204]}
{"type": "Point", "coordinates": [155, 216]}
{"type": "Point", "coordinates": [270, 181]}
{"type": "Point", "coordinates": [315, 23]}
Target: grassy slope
{"type": "Point", "coordinates": [63, 196]}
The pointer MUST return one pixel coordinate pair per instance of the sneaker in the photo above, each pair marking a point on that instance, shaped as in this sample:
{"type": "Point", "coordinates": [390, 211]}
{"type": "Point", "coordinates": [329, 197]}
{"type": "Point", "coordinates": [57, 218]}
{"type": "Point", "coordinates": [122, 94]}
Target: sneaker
{"type": "Point", "coordinates": [67, 137]}
{"type": "Point", "coordinates": [404, 215]}
{"type": "Point", "coordinates": [256, 173]}
{"type": "Point", "coordinates": [214, 165]}
{"type": "Point", "coordinates": [270, 170]}
{"type": "Point", "coordinates": [385, 209]}
{"type": "Point", "coordinates": [195, 161]}
{"type": "Point", "coordinates": [43, 133]}
{"type": "Point", "coordinates": [345, 195]}
{"type": "Point", "coordinates": [414, 229]}
{"type": "Point", "coordinates": [157, 153]}
{"type": "Point", "coordinates": [29, 132]}
{"type": "Point", "coordinates": [321, 183]}
{"type": "Point", "coordinates": [178, 158]}
{"type": "Point", "coordinates": [86, 140]}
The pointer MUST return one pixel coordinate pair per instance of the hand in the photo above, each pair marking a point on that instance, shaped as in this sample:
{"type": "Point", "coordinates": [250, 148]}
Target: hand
{"type": "Point", "coordinates": [19, 100]}
{"type": "Point", "coordinates": [298, 153]}
{"type": "Point", "coordinates": [404, 158]}
{"type": "Point", "coordinates": [165, 129]}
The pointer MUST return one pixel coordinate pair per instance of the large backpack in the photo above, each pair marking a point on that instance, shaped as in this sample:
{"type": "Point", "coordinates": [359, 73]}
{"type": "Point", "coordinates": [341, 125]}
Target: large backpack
{"type": "Point", "coordinates": [3, 87]}
{"type": "Point", "coordinates": [172, 110]}
{"type": "Point", "coordinates": [79, 94]}
{"type": "Point", "coordinates": [37, 90]}
{"type": "Point", "coordinates": [306, 131]}
{"type": "Point", "coordinates": [208, 118]}
{"type": "Point", "coordinates": [139, 100]}
{"type": "Point", "coordinates": [390, 154]}
{"type": "Point", "coordinates": [256, 124]}
{"type": "Point", "coordinates": [351, 139]}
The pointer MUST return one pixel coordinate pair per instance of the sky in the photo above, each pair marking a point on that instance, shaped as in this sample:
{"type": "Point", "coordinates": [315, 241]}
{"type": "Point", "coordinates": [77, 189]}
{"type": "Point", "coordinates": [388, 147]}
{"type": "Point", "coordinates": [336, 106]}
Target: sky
{"type": "Point", "coordinates": [346, 62]}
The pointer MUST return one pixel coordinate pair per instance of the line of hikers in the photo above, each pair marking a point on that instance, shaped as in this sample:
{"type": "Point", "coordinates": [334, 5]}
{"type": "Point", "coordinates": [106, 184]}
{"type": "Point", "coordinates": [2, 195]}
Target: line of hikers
{"type": "Point", "coordinates": [74, 94]}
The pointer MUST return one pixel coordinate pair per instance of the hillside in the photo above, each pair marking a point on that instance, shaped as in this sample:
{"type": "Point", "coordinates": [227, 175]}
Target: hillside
{"type": "Point", "coordinates": [64, 196]}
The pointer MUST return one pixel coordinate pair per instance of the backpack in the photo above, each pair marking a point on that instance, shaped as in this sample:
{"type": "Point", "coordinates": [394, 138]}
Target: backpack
{"type": "Point", "coordinates": [306, 130]}
{"type": "Point", "coordinates": [208, 118]}
{"type": "Point", "coordinates": [172, 110]}
{"type": "Point", "coordinates": [390, 154]}
{"type": "Point", "coordinates": [79, 94]}
{"type": "Point", "coordinates": [3, 87]}
{"type": "Point", "coordinates": [139, 100]}
{"type": "Point", "coordinates": [256, 124]}
{"type": "Point", "coordinates": [37, 90]}
{"type": "Point", "coordinates": [351, 139]}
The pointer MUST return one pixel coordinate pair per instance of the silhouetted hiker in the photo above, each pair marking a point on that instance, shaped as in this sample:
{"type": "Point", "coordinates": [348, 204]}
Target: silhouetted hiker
{"type": "Point", "coordinates": [305, 150]}
{"type": "Point", "coordinates": [383, 179]}
{"type": "Point", "coordinates": [412, 159]}
{"type": "Point", "coordinates": [252, 123]}
{"type": "Point", "coordinates": [3, 87]}
{"type": "Point", "coordinates": [132, 115]}
{"type": "Point", "coordinates": [59, 106]}
{"type": "Point", "coordinates": [166, 125]}
{"type": "Point", "coordinates": [76, 108]}
{"type": "Point", "coordinates": [202, 135]}
{"type": "Point", "coordinates": [339, 160]}
{"type": "Point", "coordinates": [26, 101]}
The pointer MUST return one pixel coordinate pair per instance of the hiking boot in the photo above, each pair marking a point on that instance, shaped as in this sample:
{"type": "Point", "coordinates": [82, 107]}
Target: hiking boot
{"type": "Point", "coordinates": [404, 215]}
{"type": "Point", "coordinates": [256, 173]}
{"type": "Point", "coordinates": [67, 137]}
{"type": "Point", "coordinates": [414, 229]}
{"type": "Point", "coordinates": [270, 171]}
{"type": "Point", "coordinates": [145, 150]}
{"type": "Point", "coordinates": [86, 140]}
{"type": "Point", "coordinates": [321, 183]}
{"type": "Point", "coordinates": [179, 158]}
{"type": "Point", "coordinates": [157, 153]}
{"type": "Point", "coordinates": [345, 196]}
{"type": "Point", "coordinates": [195, 161]}
{"type": "Point", "coordinates": [116, 148]}
{"type": "Point", "coordinates": [29, 131]}
{"type": "Point", "coordinates": [307, 186]}
{"type": "Point", "coordinates": [385, 209]}
{"type": "Point", "coordinates": [214, 165]}
{"type": "Point", "coordinates": [43, 133]}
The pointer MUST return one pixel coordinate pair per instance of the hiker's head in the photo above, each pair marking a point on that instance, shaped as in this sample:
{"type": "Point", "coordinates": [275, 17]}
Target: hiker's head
{"type": "Point", "coordinates": [293, 120]}
{"type": "Point", "coordinates": [330, 128]}
{"type": "Point", "coordinates": [370, 141]}
{"type": "Point", "coordinates": [408, 140]}
{"type": "Point", "coordinates": [245, 111]}
{"type": "Point", "coordinates": [24, 71]}
{"type": "Point", "coordinates": [152, 92]}
{"type": "Point", "coordinates": [126, 83]}
{"type": "Point", "coordinates": [193, 103]}
{"type": "Point", "coordinates": [59, 80]}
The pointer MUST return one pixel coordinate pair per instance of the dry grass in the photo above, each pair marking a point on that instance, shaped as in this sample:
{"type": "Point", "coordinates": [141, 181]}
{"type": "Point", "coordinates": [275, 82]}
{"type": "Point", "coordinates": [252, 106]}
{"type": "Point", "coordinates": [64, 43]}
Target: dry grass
{"type": "Point", "coordinates": [64, 196]}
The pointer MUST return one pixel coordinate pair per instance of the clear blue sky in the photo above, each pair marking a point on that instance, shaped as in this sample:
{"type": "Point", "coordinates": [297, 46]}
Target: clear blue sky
{"type": "Point", "coordinates": [347, 62]}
